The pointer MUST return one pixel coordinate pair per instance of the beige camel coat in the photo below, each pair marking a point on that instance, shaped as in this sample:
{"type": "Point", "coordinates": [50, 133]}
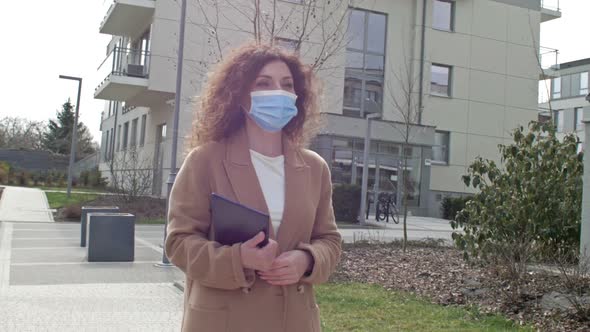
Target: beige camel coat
{"type": "Point", "coordinates": [220, 294]}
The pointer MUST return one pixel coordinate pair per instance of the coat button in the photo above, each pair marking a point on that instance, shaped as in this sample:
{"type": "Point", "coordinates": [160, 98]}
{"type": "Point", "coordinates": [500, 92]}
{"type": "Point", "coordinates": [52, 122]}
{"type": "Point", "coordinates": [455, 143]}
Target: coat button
{"type": "Point", "coordinates": [300, 289]}
{"type": "Point", "coordinates": [246, 290]}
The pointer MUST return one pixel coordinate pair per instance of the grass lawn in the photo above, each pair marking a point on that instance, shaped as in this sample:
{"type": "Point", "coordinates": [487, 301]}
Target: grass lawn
{"type": "Point", "coordinates": [75, 189]}
{"type": "Point", "coordinates": [151, 221]}
{"type": "Point", "coordinates": [58, 200]}
{"type": "Point", "coordinates": [362, 307]}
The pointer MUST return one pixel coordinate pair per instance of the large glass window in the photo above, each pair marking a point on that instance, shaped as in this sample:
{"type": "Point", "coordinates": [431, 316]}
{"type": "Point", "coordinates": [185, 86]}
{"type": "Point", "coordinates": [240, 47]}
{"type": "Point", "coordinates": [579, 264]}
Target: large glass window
{"type": "Point", "coordinates": [440, 150]}
{"type": "Point", "coordinates": [365, 63]}
{"type": "Point", "coordinates": [584, 83]}
{"type": "Point", "coordinates": [142, 133]}
{"type": "Point", "coordinates": [578, 117]}
{"type": "Point", "coordinates": [289, 45]}
{"type": "Point", "coordinates": [443, 15]}
{"type": "Point", "coordinates": [125, 135]}
{"type": "Point", "coordinates": [440, 80]}
{"type": "Point", "coordinates": [112, 145]}
{"type": "Point", "coordinates": [133, 140]}
{"type": "Point", "coordinates": [558, 118]}
{"type": "Point", "coordinates": [119, 139]}
{"type": "Point", "coordinates": [556, 88]}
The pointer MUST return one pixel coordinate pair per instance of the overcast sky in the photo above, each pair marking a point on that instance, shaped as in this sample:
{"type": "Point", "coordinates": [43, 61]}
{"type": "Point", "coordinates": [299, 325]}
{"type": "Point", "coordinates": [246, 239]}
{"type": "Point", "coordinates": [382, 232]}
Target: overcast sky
{"type": "Point", "coordinates": [42, 39]}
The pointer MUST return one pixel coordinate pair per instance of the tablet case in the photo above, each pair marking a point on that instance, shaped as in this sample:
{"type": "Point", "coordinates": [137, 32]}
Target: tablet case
{"type": "Point", "coordinates": [235, 223]}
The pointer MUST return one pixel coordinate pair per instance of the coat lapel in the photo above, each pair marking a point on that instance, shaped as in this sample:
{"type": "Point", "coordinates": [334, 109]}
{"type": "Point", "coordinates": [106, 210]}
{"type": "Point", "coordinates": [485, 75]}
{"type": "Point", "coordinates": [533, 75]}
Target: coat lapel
{"type": "Point", "coordinates": [241, 173]}
{"type": "Point", "coordinates": [296, 189]}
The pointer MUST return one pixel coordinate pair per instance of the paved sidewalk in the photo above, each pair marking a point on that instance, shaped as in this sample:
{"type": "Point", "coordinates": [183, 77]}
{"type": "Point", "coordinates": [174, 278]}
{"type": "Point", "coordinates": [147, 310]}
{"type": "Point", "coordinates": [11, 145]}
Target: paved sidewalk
{"type": "Point", "coordinates": [418, 228]}
{"type": "Point", "coordinates": [20, 204]}
{"type": "Point", "coordinates": [46, 284]}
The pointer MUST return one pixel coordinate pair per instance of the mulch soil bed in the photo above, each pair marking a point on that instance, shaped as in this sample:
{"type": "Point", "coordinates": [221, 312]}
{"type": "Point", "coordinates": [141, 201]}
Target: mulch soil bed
{"type": "Point", "coordinates": [441, 275]}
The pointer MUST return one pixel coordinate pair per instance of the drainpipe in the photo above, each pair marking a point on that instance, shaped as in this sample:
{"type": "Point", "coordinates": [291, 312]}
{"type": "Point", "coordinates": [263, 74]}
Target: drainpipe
{"type": "Point", "coordinates": [421, 87]}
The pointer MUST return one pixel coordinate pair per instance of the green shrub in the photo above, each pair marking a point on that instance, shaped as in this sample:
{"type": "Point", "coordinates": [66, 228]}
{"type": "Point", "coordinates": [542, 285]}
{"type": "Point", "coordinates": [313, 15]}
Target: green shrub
{"type": "Point", "coordinates": [530, 206]}
{"type": "Point", "coordinates": [4, 172]}
{"type": "Point", "coordinates": [84, 178]}
{"type": "Point", "coordinates": [451, 205]}
{"type": "Point", "coordinates": [346, 199]}
{"type": "Point", "coordinates": [95, 178]}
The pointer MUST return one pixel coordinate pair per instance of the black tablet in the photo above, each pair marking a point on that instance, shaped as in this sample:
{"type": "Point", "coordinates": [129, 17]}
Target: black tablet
{"type": "Point", "coordinates": [234, 223]}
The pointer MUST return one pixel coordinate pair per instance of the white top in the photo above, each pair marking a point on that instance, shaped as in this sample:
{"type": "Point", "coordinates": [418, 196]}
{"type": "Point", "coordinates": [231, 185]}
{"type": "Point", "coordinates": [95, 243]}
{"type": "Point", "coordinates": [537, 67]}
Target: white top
{"type": "Point", "coordinates": [271, 176]}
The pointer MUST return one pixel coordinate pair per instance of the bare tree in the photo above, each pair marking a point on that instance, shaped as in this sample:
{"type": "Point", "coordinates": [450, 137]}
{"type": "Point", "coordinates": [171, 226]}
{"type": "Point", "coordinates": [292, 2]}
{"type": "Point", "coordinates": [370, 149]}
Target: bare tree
{"type": "Point", "coordinates": [131, 175]}
{"type": "Point", "coordinates": [321, 23]}
{"type": "Point", "coordinates": [21, 133]}
{"type": "Point", "coordinates": [403, 91]}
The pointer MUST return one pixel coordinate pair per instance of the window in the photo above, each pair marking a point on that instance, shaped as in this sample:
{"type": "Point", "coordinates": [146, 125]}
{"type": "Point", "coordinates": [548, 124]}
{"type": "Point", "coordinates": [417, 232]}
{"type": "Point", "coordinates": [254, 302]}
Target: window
{"type": "Point", "coordinates": [105, 147]}
{"type": "Point", "coordinates": [142, 133]}
{"type": "Point", "coordinates": [440, 80]}
{"type": "Point", "coordinates": [365, 63]}
{"type": "Point", "coordinates": [556, 88]}
{"type": "Point", "coordinates": [443, 15]}
{"type": "Point", "coordinates": [125, 135]}
{"type": "Point", "coordinates": [119, 139]}
{"type": "Point", "coordinates": [558, 118]}
{"type": "Point", "coordinates": [112, 145]}
{"type": "Point", "coordinates": [287, 44]}
{"type": "Point", "coordinates": [584, 83]}
{"type": "Point", "coordinates": [389, 148]}
{"type": "Point", "coordinates": [440, 149]}
{"type": "Point", "coordinates": [578, 117]}
{"type": "Point", "coordinates": [133, 140]}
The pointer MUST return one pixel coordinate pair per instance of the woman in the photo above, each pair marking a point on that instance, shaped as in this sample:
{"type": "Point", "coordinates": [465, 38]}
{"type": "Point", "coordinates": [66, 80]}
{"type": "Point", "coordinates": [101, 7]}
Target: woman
{"type": "Point", "coordinates": [256, 113]}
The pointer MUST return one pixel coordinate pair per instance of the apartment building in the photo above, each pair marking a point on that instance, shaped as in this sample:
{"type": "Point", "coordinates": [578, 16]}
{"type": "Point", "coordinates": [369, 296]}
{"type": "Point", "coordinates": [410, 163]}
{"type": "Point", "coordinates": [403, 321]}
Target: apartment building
{"type": "Point", "coordinates": [469, 66]}
{"type": "Point", "coordinates": [568, 98]}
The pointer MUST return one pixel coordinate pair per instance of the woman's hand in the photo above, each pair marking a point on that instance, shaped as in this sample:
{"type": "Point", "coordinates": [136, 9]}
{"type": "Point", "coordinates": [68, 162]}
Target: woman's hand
{"type": "Point", "coordinates": [255, 258]}
{"type": "Point", "coordinates": [288, 268]}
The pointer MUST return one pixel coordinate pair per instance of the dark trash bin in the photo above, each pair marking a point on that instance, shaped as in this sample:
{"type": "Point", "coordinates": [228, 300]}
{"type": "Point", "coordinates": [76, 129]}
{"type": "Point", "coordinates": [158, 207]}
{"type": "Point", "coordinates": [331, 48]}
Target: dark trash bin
{"type": "Point", "coordinates": [84, 222]}
{"type": "Point", "coordinates": [111, 237]}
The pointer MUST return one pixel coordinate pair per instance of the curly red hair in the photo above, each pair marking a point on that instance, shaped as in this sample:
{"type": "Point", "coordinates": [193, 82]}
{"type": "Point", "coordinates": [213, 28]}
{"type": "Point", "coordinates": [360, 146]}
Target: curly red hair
{"type": "Point", "coordinates": [219, 114]}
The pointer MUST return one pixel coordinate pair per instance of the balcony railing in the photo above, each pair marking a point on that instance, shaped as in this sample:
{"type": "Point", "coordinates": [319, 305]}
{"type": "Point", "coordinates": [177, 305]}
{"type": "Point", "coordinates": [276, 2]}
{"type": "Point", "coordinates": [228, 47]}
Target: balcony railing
{"type": "Point", "coordinates": [124, 62]}
{"type": "Point", "coordinates": [549, 59]}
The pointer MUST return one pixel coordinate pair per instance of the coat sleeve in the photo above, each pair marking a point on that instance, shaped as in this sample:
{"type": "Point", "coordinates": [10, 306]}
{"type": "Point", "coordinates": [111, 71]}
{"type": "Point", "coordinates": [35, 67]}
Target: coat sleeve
{"type": "Point", "coordinates": [326, 243]}
{"type": "Point", "coordinates": [187, 244]}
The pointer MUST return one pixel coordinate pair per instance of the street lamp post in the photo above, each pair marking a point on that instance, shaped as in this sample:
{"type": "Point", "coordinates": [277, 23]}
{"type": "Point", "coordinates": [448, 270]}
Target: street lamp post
{"type": "Point", "coordinates": [74, 131]}
{"type": "Point", "coordinates": [365, 179]}
{"type": "Point", "coordinates": [172, 176]}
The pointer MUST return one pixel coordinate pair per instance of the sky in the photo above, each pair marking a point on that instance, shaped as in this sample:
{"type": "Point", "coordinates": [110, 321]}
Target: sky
{"type": "Point", "coordinates": [44, 39]}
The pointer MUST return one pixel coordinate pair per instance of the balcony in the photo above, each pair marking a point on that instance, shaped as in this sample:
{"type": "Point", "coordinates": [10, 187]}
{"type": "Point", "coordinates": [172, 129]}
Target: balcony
{"type": "Point", "coordinates": [550, 10]}
{"type": "Point", "coordinates": [128, 17]}
{"type": "Point", "coordinates": [548, 58]}
{"type": "Point", "coordinates": [125, 73]}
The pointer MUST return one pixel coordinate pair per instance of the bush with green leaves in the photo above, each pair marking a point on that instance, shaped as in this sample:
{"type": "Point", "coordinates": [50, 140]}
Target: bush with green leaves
{"type": "Point", "coordinates": [529, 207]}
{"type": "Point", "coordinates": [346, 199]}
{"type": "Point", "coordinates": [451, 205]}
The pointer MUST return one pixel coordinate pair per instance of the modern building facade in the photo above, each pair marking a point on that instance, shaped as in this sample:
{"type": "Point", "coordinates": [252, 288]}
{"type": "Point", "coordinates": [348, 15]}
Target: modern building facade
{"type": "Point", "coordinates": [467, 72]}
{"type": "Point", "coordinates": [568, 98]}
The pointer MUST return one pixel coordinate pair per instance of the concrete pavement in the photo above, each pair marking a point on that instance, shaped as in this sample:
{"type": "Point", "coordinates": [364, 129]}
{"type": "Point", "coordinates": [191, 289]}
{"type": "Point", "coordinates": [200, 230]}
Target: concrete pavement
{"type": "Point", "coordinates": [20, 204]}
{"type": "Point", "coordinates": [46, 284]}
{"type": "Point", "coordinates": [418, 228]}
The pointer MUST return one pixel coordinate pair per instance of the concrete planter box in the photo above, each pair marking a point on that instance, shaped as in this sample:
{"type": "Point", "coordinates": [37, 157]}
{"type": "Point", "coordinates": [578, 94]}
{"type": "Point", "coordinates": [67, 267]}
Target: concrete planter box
{"type": "Point", "coordinates": [84, 221]}
{"type": "Point", "coordinates": [111, 237]}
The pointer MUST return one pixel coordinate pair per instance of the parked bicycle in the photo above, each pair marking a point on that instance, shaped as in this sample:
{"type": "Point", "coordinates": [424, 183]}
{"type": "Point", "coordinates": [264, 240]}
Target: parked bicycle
{"type": "Point", "coordinates": [386, 208]}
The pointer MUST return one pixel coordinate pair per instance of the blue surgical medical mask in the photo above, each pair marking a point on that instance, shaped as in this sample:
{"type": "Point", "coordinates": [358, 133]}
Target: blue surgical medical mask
{"type": "Point", "coordinates": [272, 109]}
